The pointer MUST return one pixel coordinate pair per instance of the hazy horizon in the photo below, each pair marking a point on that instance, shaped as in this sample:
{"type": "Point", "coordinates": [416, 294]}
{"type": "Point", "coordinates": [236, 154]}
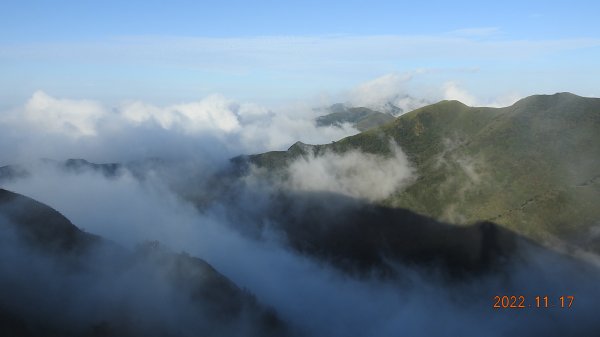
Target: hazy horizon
{"type": "Point", "coordinates": [269, 53]}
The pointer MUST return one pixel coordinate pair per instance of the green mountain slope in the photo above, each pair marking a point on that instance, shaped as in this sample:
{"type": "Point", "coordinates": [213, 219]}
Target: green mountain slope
{"type": "Point", "coordinates": [533, 166]}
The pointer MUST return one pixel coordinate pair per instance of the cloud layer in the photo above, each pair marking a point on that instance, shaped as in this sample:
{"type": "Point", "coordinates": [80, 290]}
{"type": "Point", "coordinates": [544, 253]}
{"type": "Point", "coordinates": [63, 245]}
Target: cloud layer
{"type": "Point", "coordinates": [313, 298]}
{"type": "Point", "coordinates": [214, 126]}
{"type": "Point", "coordinates": [353, 173]}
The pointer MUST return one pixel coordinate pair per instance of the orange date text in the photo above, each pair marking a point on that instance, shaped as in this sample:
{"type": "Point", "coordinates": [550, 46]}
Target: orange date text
{"type": "Point", "coordinates": [523, 302]}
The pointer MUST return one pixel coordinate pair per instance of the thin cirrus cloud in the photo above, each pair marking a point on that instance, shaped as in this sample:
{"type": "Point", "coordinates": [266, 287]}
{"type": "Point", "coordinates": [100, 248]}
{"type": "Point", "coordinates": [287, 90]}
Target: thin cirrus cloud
{"type": "Point", "coordinates": [476, 32]}
{"type": "Point", "coordinates": [292, 66]}
{"type": "Point", "coordinates": [263, 50]}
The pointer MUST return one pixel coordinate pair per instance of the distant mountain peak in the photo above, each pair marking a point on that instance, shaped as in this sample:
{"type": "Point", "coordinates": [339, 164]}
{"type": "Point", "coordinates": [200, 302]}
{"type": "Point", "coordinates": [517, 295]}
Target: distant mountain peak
{"type": "Point", "coordinates": [361, 118]}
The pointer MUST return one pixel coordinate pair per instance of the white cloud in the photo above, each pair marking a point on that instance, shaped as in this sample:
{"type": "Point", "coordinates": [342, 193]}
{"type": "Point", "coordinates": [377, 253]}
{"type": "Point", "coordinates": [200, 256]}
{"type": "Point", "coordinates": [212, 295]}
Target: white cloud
{"type": "Point", "coordinates": [381, 89]}
{"type": "Point", "coordinates": [452, 91]}
{"type": "Point", "coordinates": [211, 113]}
{"type": "Point", "coordinates": [379, 93]}
{"type": "Point", "coordinates": [249, 126]}
{"type": "Point", "coordinates": [49, 127]}
{"type": "Point", "coordinates": [353, 173]}
{"type": "Point", "coordinates": [73, 118]}
{"type": "Point", "coordinates": [46, 126]}
{"type": "Point", "coordinates": [394, 89]}
{"type": "Point", "coordinates": [280, 131]}
{"type": "Point", "coordinates": [505, 100]}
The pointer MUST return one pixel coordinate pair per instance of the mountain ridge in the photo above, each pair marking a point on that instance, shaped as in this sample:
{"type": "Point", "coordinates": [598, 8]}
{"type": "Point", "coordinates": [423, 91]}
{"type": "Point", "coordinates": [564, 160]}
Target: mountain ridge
{"type": "Point", "coordinates": [483, 163]}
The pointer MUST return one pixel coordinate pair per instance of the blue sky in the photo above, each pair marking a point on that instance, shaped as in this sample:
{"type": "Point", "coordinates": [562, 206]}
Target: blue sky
{"type": "Point", "coordinates": [182, 50]}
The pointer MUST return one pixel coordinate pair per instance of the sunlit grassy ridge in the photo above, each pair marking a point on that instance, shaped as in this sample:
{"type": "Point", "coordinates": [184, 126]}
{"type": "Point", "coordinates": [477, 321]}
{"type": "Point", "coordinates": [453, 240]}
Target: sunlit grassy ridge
{"type": "Point", "coordinates": [533, 166]}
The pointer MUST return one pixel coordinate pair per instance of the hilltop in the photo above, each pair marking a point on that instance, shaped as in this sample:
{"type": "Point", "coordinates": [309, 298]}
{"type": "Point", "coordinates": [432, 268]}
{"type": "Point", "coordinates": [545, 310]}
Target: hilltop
{"type": "Point", "coordinates": [359, 117]}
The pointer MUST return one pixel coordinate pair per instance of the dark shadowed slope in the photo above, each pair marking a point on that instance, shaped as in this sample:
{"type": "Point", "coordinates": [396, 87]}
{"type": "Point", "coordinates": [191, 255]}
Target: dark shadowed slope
{"type": "Point", "coordinates": [60, 281]}
{"type": "Point", "coordinates": [365, 239]}
{"type": "Point", "coordinates": [358, 236]}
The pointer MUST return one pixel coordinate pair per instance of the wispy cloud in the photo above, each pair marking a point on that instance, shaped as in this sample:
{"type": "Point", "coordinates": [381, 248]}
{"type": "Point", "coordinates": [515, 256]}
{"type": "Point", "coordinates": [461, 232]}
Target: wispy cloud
{"type": "Point", "coordinates": [298, 52]}
{"type": "Point", "coordinates": [267, 67]}
{"type": "Point", "coordinates": [476, 32]}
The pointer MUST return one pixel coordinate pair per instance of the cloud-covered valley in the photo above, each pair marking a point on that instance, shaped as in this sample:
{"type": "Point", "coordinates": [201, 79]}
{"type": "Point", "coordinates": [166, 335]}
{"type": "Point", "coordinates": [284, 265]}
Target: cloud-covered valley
{"type": "Point", "coordinates": [312, 296]}
{"type": "Point", "coordinates": [278, 237]}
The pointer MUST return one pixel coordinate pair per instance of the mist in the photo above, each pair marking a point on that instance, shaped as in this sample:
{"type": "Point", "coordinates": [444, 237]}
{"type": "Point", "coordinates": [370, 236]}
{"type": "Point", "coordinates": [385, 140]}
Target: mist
{"type": "Point", "coordinates": [238, 228]}
{"type": "Point", "coordinates": [108, 290]}
{"type": "Point", "coordinates": [353, 173]}
{"type": "Point", "coordinates": [311, 295]}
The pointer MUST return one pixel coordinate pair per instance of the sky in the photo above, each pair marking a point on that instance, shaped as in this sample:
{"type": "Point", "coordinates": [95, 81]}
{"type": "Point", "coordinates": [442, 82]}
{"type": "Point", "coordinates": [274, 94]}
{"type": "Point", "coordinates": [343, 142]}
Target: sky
{"type": "Point", "coordinates": [273, 51]}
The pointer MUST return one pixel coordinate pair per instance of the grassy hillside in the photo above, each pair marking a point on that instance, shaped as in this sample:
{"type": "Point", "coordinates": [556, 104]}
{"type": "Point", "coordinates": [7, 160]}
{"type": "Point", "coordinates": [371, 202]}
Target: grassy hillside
{"type": "Point", "coordinates": [533, 167]}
